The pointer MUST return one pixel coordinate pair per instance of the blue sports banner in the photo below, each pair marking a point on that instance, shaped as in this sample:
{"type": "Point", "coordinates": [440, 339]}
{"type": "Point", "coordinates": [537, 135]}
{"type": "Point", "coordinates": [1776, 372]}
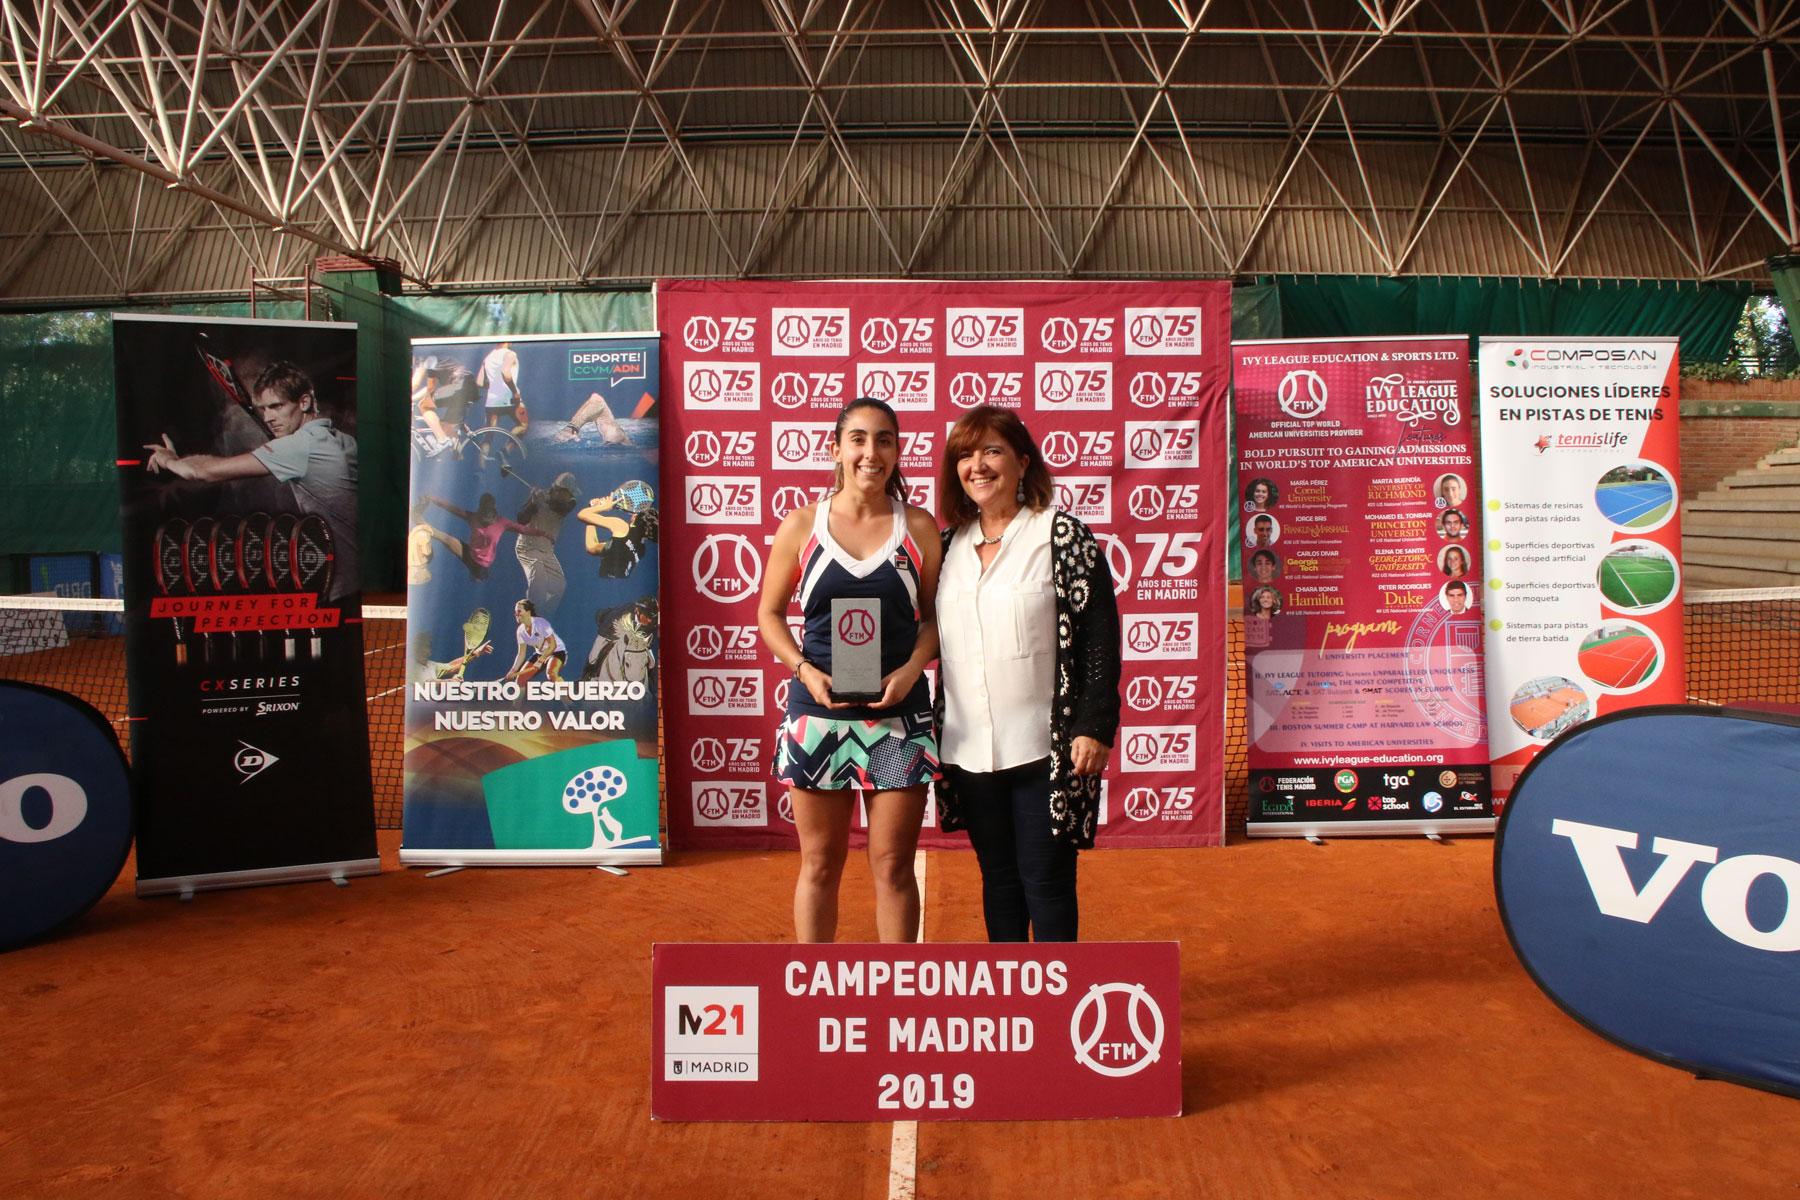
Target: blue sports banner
{"type": "Point", "coordinates": [532, 607]}
{"type": "Point", "coordinates": [1647, 875]}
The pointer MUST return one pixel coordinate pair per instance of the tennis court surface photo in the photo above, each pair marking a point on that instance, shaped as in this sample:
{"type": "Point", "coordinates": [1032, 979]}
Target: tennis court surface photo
{"type": "Point", "coordinates": [1619, 657]}
{"type": "Point", "coordinates": [1635, 497]}
{"type": "Point", "coordinates": [1637, 577]}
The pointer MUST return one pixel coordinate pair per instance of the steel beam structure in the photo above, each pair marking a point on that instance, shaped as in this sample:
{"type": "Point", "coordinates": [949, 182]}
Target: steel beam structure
{"type": "Point", "coordinates": [757, 138]}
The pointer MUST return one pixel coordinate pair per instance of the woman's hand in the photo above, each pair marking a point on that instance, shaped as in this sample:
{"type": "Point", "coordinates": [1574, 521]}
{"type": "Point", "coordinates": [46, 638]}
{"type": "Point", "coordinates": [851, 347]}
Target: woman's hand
{"type": "Point", "coordinates": [1089, 756]}
{"type": "Point", "coordinates": [817, 684]}
{"type": "Point", "coordinates": [897, 686]}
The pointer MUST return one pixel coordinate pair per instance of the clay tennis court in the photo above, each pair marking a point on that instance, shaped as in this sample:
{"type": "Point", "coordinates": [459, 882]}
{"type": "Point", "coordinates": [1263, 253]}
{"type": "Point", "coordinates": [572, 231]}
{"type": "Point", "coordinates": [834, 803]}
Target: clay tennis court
{"type": "Point", "coordinates": [1354, 1025]}
{"type": "Point", "coordinates": [1618, 660]}
{"type": "Point", "coordinates": [1535, 712]}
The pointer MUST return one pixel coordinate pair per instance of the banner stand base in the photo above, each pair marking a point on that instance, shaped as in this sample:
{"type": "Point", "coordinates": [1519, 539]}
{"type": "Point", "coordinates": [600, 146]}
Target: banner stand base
{"type": "Point", "coordinates": [1437, 831]}
{"type": "Point", "coordinates": [185, 886]}
{"type": "Point", "coordinates": [648, 856]}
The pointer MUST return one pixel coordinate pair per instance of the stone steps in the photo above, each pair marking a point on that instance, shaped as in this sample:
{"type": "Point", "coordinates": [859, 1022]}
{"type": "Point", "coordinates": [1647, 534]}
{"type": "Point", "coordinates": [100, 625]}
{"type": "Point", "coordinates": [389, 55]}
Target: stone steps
{"type": "Point", "coordinates": [1746, 532]}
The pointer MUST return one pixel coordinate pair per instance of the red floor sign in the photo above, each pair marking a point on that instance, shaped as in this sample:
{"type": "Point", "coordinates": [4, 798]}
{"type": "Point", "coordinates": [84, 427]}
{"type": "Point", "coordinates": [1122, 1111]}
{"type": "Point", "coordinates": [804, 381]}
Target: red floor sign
{"type": "Point", "coordinates": [883, 1033]}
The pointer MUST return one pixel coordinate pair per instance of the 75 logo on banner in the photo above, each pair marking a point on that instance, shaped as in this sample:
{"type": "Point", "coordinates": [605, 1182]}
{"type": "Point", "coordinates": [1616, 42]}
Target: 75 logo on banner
{"type": "Point", "coordinates": [975, 331]}
{"type": "Point", "coordinates": [803, 389]}
{"type": "Point", "coordinates": [734, 335]}
{"type": "Point", "coordinates": [723, 447]}
{"type": "Point", "coordinates": [1063, 386]}
{"type": "Point", "coordinates": [800, 445]}
{"type": "Point", "coordinates": [724, 500]}
{"type": "Point", "coordinates": [906, 387]}
{"type": "Point", "coordinates": [1157, 748]}
{"type": "Point", "coordinates": [1162, 331]}
{"type": "Point", "coordinates": [902, 335]}
{"type": "Point", "coordinates": [721, 386]}
{"type": "Point", "coordinates": [1154, 444]}
{"type": "Point", "coordinates": [1149, 636]}
{"type": "Point", "coordinates": [809, 331]}
{"type": "Point", "coordinates": [1088, 497]}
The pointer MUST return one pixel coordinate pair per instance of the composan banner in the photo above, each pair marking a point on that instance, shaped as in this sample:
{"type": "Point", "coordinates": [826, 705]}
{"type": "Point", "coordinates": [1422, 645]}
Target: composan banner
{"type": "Point", "coordinates": [243, 601]}
{"type": "Point", "coordinates": [1362, 620]}
{"type": "Point", "coordinates": [1580, 451]}
{"type": "Point", "coordinates": [916, 1033]}
{"type": "Point", "coordinates": [531, 595]}
{"type": "Point", "coordinates": [1123, 386]}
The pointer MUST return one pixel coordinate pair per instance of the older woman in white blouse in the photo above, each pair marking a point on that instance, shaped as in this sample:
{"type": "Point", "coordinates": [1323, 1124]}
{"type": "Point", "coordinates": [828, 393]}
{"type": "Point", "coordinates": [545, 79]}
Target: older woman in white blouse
{"type": "Point", "coordinates": [1028, 685]}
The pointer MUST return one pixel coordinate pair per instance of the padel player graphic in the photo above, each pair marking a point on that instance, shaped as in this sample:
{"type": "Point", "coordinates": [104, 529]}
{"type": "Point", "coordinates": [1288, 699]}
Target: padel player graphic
{"type": "Point", "coordinates": [304, 450]}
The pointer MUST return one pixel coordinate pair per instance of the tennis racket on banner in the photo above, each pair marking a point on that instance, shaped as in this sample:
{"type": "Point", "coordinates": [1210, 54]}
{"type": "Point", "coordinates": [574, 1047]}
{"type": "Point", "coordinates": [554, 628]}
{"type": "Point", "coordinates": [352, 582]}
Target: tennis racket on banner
{"type": "Point", "coordinates": [313, 564]}
{"type": "Point", "coordinates": [197, 560]}
{"type": "Point", "coordinates": [475, 637]}
{"type": "Point", "coordinates": [281, 569]}
{"type": "Point", "coordinates": [225, 568]}
{"type": "Point", "coordinates": [253, 566]}
{"type": "Point", "coordinates": [171, 573]}
{"type": "Point", "coordinates": [225, 377]}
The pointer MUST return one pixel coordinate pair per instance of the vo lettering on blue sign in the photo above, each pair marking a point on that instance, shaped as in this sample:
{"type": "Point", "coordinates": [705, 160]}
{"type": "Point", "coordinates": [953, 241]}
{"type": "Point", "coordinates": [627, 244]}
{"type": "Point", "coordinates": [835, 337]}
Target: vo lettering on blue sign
{"type": "Point", "coordinates": [65, 810]}
{"type": "Point", "coordinates": [1648, 874]}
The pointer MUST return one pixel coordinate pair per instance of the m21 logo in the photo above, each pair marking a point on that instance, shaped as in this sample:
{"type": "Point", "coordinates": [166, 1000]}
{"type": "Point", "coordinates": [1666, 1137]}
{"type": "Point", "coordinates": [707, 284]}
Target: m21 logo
{"type": "Point", "coordinates": [711, 1034]}
{"type": "Point", "coordinates": [1648, 873]}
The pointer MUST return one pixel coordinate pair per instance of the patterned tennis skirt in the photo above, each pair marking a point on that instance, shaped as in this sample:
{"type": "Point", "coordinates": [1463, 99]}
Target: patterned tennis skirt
{"type": "Point", "coordinates": [828, 754]}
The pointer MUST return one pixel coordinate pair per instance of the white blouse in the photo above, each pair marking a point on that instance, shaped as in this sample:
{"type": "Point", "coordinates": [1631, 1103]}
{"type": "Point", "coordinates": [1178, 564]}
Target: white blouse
{"type": "Point", "coordinates": [997, 647]}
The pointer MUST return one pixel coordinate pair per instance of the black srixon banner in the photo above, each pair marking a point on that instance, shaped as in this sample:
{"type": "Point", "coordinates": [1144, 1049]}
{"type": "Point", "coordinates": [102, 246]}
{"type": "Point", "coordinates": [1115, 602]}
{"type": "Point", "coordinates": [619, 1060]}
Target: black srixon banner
{"type": "Point", "coordinates": [243, 617]}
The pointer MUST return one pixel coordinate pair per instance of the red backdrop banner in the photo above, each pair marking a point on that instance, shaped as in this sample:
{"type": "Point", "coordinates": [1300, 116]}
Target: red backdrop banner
{"type": "Point", "coordinates": [1122, 384]}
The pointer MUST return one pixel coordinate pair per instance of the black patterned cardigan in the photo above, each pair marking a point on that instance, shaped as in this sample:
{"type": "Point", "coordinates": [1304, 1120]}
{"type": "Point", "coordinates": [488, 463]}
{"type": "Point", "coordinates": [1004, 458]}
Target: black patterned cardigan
{"type": "Point", "coordinates": [1087, 681]}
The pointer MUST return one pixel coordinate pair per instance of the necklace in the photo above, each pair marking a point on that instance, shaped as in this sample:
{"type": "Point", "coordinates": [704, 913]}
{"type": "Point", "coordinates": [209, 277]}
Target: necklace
{"type": "Point", "coordinates": [983, 540]}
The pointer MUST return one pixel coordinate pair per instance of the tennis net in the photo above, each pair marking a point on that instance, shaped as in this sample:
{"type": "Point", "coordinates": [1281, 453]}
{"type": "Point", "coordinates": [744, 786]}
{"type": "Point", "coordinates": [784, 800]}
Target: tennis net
{"type": "Point", "coordinates": [1743, 646]}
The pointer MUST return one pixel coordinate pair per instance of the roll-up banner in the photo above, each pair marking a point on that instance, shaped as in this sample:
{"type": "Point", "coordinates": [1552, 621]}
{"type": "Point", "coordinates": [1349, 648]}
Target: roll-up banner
{"type": "Point", "coordinates": [532, 609]}
{"type": "Point", "coordinates": [243, 601]}
{"type": "Point", "coordinates": [1123, 386]}
{"type": "Point", "coordinates": [1580, 451]}
{"type": "Point", "coordinates": [1361, 549]}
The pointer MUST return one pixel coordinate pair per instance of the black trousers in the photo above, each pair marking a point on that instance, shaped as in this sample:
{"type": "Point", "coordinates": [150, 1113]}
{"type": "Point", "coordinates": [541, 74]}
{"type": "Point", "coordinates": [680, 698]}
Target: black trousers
{"type": "Point", "coordinates": [1027, 876]}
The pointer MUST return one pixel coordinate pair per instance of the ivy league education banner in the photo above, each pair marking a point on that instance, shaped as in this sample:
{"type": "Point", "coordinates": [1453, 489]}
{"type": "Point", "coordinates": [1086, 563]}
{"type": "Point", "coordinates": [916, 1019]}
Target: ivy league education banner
{"type": "Point", "coordinates": [1361, 549]}
{"type": "Point", "coordinates": [531, 598]}
{"type": "Point", "coordinates": [1580, 445]}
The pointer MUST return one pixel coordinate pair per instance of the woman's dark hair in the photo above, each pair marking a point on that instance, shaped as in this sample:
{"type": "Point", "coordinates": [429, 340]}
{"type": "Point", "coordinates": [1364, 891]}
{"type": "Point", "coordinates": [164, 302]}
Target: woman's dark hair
{"type": "Point", "coordinates": [486, 506]}
{"type": "Point", "coordinates": [976, 428]}
{"type": "Point", "coordinates": [896, 484]}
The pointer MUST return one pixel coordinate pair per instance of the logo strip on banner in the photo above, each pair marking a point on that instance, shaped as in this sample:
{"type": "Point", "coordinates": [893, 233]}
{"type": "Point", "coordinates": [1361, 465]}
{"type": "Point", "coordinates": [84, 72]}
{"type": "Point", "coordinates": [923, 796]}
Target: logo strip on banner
{"type": "Point", "coordinates": [1123, 386]}
{"type": "Point", "coordinates": [242, 586]}
{"type": "Point", "coordinates": [1580, 445]}
{"type": "Point", "coordinates": [533, 616]}
{"type": "Point", "coordinates": [889, 1033]}
{"type": "Point", "coordinates": [1362, 587]}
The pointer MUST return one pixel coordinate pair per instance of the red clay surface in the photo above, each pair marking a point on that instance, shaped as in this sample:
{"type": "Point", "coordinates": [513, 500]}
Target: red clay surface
{"type": "Point", "coordinates": [1619, 662]}
{"type": "Point", "coordinates": [1354, 1025]}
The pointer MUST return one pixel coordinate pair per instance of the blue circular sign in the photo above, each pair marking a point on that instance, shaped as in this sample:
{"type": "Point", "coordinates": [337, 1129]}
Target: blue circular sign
{"type": "Point", "coordinates": [65, 810]}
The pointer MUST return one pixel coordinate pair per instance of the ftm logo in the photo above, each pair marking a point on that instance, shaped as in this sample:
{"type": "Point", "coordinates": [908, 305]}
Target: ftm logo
{"type": "Point", "coordinates": [1117, 1040]}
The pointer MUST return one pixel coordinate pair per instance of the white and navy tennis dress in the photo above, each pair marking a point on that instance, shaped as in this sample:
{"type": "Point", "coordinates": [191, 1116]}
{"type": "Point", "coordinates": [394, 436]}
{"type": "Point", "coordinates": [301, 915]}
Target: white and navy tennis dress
{"type": "Point", "coordinates": [870, 749]}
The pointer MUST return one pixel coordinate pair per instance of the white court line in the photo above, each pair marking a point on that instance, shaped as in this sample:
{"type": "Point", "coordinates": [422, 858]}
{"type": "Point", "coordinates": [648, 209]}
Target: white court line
{"type": "Point", "coordinates": [903, 1155]}
{"type": "Point", "coordinates": [1626, 515]}
{"type": "Point", "coordinates": [1624, 583]}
